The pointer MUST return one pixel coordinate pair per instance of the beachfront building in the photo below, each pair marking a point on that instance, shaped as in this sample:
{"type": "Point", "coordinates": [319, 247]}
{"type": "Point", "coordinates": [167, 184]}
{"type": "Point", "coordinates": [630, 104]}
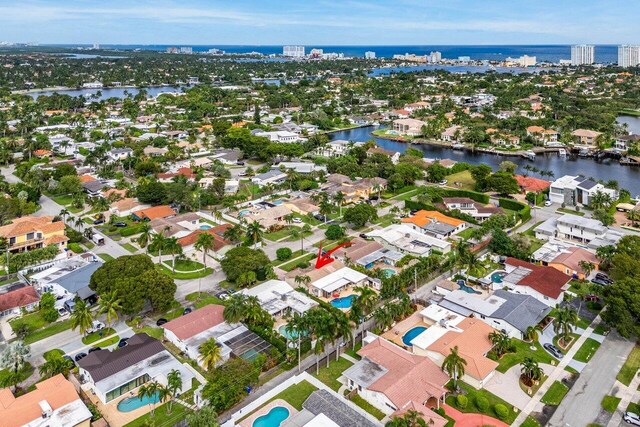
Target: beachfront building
{"type": "Point", "coordinates": [33, 232]}
{"type": "Point", "coordinates": [410, 127]}
{"type": "Point", "coordinates": [111, 374]}
{"type": "Point", "coordinates": [54, 402]}
{"type": "Point", "coordinates": [628, 55]}
{"type": "Point", "coordinates": [293, 51]}
{"type": "Point", "coordinates": [582, 54]}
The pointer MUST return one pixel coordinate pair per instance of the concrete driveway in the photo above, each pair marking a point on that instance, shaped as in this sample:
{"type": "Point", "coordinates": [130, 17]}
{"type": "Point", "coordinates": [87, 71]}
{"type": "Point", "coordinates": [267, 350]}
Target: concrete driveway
{"type": "Point", "coordinates": [508, 388]}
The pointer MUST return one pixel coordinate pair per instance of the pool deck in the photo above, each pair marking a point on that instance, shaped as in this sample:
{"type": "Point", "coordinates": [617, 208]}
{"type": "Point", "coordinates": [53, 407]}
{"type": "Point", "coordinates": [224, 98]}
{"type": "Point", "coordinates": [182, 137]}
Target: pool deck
{"type": "Point", "coordinates": [248, 421]}
{"type": "Point", "coordinates": [398, 330]}
{"type": "Point", "coordinates": [110, 411]}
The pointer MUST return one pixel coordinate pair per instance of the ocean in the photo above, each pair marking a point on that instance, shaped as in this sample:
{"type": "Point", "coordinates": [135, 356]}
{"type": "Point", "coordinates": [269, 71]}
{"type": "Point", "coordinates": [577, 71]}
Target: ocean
{"type": "Point", "coordinates": [543, 53]}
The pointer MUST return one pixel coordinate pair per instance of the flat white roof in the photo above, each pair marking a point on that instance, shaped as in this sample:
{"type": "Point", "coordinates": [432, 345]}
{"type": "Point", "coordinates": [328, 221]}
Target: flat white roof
{"type": "Point", "coordinates": [277, 295]}
{"type": "Point", "coordinates": [339, 279]}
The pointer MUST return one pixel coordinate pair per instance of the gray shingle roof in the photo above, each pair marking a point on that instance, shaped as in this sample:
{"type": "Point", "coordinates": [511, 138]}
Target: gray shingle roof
{"type": "Point", "coordinates": [322, 401]}
{"type": "Point", "coordinates": [519, 310]}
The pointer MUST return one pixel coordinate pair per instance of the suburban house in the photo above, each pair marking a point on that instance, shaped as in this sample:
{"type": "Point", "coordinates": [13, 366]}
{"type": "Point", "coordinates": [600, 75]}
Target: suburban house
{"type": "Point", "coordinates": [279, 298]}
{"type": "Point", "coordinates": [585, 138]}
{"type": "Point", "coordinates": [149, 214]}
{"type": "Point", "coordinates": [16, 297]}
{"type": "Point", "coordinates": [54, 402]}
{"type": "Point", "coordinates": [117, 154]}
{"type": "Point", "coordinates": [389, 377]}
{"type": "Point", "coordinates": [281, 136]}
{"type": "Point", "coordinates": [624, 142]}
{"type": "Point", "coordinates": [587, 231]}
{"type": "Point", "coordinates": [300, 167]}
{"type": "Point", "coordinates": [394, 156]}
{"type": "Point", "coordinates": [152, 151]}
{"type": "Point", "coordinates": [111, 374]}
{"type": "Point", "coordinates": [435, 224]}
{"type": "Point", "coordinates": [274, 176]}
{"type": "Point", "coordinates": [566, 258]}
{"type": "Point", "coordinates": [404, 239]}
{"type": "Point", "coordinates": [268, 217]}
{"type": "Point", "coordinates": [325, 409]}
{"type": "Point", "coordinates": [546, 284]}
{"type": "Point", "coordinates": [530, 184]}
{"type": "Point", "coordinates": [33, 232]}
{"type": "Point", "coordinates": [220, 244]}
{"type": "Point", "coordinates": [468, 206]}
{"type": "Point", "coordinates": [332, 279]}
{"type": "Point", "coordinates": [448, 330]}
{"type": "Point", "coordinates": [576, 190]}
{"type": "Point", "coordinates": [126, 207]}
{"type": "Point", "coordinates": [353, 191]}
{"type": "Point", "coordinates": [452, 133]}
{"type": "Point", "coordinates": [411, 127]}
{"type": "Point", "coordinates": [506, 311]}
{"type": "Point", "coordinates": [302, 206]}
{"type": "Point", "coordinates": [542, 135]}
{"type": "Point", "coordinates": [336, 148]}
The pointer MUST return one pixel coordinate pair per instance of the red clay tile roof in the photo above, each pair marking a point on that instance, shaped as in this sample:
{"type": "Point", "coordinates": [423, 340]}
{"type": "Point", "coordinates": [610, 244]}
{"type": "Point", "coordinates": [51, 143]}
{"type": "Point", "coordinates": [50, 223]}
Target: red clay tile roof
{"type": "Point", "coordinates": [546, 280]}
{"type": "Point", "coordinates": [432, 418]}
{"type": "Point", "coordinates": [31, 224]}
{"type": "Point", "coordinates": [18, 298]}
{"type": "Point", "coordinates": [196, 322]}
{"type": "Point", "coordinates": [529, 183]}
{"type": "Point", "coordinates": [218, 241]}
{"type": "Point", "coordinates": [572, 258]}
{"type": "Point", "coordinates": [162, 211]}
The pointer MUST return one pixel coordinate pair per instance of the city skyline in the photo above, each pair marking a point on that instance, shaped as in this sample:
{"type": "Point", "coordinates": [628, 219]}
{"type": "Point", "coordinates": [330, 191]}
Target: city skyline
{"type": "Point", "coordinates": [352, 22]}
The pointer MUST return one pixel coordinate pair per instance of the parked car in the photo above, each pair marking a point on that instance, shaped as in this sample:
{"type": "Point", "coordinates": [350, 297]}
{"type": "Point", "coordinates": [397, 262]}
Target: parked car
{"type": "Point", "coordinates": [62, 311]}
{"type": "Point", "coordinates": [242, 174]}
{"type": "Point", "coordinates": [363, 236]}
{"type": "Point", "coordinates": [319, 217]}
{"type": "Point", "coordinates": [187, 310]}
{"type": "Point", "coordinates": [80, 356]}
{"type": "Point", "coordinates": [123, 342]}
{"type": "Point", "coordinates": [601, 282]}
{"type": "Point", "coordinates": [161, 321]}
{"type": "Point", "coordinates": [547, 203]}
{"type": "Point", "coordinates": [297, 220]}
{"type": "Point", "coordinates": [98, 221]}
{"type": "Point", "coordinates": [604, 278]}
{"type": "Point", "coordinates": [443, 182]}
{"type": "Point", "coordinates": [120, 224]}
{"type": "Point", "coordinates": [92, 349]}
{"type": "Point", "coordinates": [555, 351]}
{"type": "Point", "coordinates": [240, 163]}
{"type": "Point", "coordinates": [95, 327]}
{"type": "Point", "coordinates": [632, 418]}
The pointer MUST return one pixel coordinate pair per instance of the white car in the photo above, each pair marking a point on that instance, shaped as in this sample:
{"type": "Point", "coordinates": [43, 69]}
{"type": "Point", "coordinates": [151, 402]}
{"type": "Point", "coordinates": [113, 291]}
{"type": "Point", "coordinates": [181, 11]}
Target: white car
{"type": "Point", "coordinates": [632, 418]}
{"type": "Point", "coordinates": [547, 203]}
{"type": "Point", "coordinates": [443, 182]}
{"type": "Point", "coordinates": [95, 327]}
{"type": "Point", "coordinates": [297, 220]}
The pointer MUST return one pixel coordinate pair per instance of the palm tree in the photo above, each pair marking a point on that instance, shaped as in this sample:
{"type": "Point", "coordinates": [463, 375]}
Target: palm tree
{"type": "Point", "coordinates": [78, 223]}
{"type": "Point", "coordinates": [233, 234]}
{"type": "Point", "coordinates": [634, 216]}
{"type": "Point", "coordinates": [339, 198]}
{"type": "Point", "coordinates": [55, 365]}
{"type": "Point", "coordinates": [325, 209]}
{"type": "Point", "coordinates": [531, 371]}
{"type": "Point", "coordinates": [174, 249]}
{"type": "Point", "coordinates": [255, 232]}
{"type": "Point", "coordinates": [302, 280]}
{"type": "Point", "coordinates": [163, 394]}
{"type": "Point", "coordinates": [501, 342]}
{"type": "Point", "coordinates": [149, 390]}
{"type": "Point", "coordinates": [295, 327]}
{"type": "Point", "coordinates": [210, 354]}
{"type": "Point", "coordinates": [63, 213]}
{"type": "Point", "coordinates": [342, 330]}
{"type": "Point", "coordinates": [565, 321]}
{"type": "Point", "coordinates": [146, 234]}
{"type": "Point", "coordinates": [288, 219]}
{"type": "Point", "coordinates": [203, 417]}
{"type": "Point", "coordinates": [81, 317]}
{"type": "Point", "coordinates": [174, 385]}
{"type": "Point", "coordinates": [587, 267]}
{"type": "Point", "coordinates": [531, 333]}
{"type": "Point", "coordinates": [14, 358]}
{"type": "Point", "coordinates": [410, 418]}
{"type": "Point", "coordinates": [158, 242]}
{"type": "Point", "coordinates": [454, 365]}
{"type": "Point", "coordinates": [383, 317]}
{"type": "Point", "coordinates": [235, 308]}
{"type": "Point", "coordinates": [109, 304]}
{"type": "Point", "coordinates": [365, 303]}
{"type": "Point", "coordinates": [204, 244]}
{"type": "Point", "coordinates": [600, 200]}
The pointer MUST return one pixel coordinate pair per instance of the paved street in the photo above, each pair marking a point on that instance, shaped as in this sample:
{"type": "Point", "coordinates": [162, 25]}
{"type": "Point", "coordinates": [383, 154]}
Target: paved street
{"type": "Point", "coordinates": [581, 405]}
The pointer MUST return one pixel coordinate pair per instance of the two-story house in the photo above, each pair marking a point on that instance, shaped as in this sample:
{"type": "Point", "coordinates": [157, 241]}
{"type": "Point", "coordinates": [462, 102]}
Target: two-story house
{"type": "Point", "coordinates": [32, 232]}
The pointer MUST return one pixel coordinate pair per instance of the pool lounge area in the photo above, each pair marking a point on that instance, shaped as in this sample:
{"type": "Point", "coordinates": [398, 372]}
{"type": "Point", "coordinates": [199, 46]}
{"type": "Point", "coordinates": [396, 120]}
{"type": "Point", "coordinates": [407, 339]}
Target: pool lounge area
{"type": "Point", "coordinates": [343, 302]}
{"type": "Point", "coordinates": [412, 333]}
{"type": "Point", "coordinates": [407, 329]}
{"type": "Point", "coordinates": [273, 414]}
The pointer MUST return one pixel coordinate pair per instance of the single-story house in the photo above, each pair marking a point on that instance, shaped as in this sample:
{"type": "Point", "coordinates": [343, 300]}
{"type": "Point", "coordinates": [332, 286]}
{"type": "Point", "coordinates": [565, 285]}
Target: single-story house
{"type": "Point", "coordinates": [279, 298]}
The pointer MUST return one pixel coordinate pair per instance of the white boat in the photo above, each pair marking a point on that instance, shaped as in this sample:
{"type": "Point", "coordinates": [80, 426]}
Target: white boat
{"type": "Point", "coordinates": [529, 155]}
{"type": "Point", "coordinates": [457, 146]}
{"type": "Point", "coordinates": [562, 153]}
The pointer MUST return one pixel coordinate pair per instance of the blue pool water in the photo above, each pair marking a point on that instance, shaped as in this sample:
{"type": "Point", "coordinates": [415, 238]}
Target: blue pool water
{"type": "Point", "coordinates": [290, 336]}
{"type": "Point", "coordinates": [467, 289]}
{"type": "Point", "coordinates": [388, 272]}
{"type": "Point", "coordinates": [344, 302]}
{"type": "Point", "coordinates": [412, 333]}
{"type": "Point", "coordinates": [496, 276]}
{"type": "Point", "coordinates": [132, 403]}
{"type": "Point", "coordinates": [205, 227]}
{"type": "Point", "coordinates": [243, 212]}
{"type": "Point", "coordinates": [274, 418]}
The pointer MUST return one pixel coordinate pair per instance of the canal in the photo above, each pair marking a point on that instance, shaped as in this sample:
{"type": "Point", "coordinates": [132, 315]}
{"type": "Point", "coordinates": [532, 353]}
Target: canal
{"type": "Point", "coordinates": [627, 176]}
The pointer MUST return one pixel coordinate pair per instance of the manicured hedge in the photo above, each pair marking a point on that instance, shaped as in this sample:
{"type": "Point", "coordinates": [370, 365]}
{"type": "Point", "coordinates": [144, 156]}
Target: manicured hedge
{"type": "Point", "coordinates": [452, 192]}
{"type": "Point", "coordinates": [523, 210]}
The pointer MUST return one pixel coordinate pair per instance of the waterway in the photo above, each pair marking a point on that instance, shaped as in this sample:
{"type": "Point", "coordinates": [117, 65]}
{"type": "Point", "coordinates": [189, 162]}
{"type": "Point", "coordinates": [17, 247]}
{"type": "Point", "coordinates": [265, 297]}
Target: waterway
{"type": "Point", "coordinates": [627, 176]}
{"type": "Point", "coordinates": [632, 122]}
{"type": "Point", "coordinates": [106, 93]}
{"type": "Point", "coordinates": [457, 69]}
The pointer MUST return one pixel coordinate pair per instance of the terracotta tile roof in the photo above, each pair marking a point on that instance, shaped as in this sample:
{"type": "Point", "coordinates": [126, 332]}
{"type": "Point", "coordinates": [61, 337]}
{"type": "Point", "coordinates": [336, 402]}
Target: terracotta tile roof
{"type": "Point", "coordinates": [126, 204]}
{"type": "Point", "coordinates": [42, 153]}
{"type": "Point", "coordinates": [19, 411]}
{"type": "Point", "coordinates": [546, 280]}
{"type": "Point", "coordinates": [30, 224]}
{"type": "Point", "coordinates": [422, 218]}
{"type": "Point", "coordinates": [218, 241]}
{"type": "Point", "coordinates": [409, 377]}
{"type": "Point", "coordinates": [161, 211]}
{"type": "Point", "coordinates": [86, 178]}
{"type": "Point", "coordinates": [572, 258]}
{"type": "Point", "coordinates": [432, 418]}
{"type": "Point", "coordinates": [196, 322]}
{"type": "Point", "coordinates": [55, 240]}
{"type": "Point", "coordinates": [529, 183]}
{"type": "Point", "coordinates": [18, 298]}
{"type": "Point", "coordinates": [473, 343]}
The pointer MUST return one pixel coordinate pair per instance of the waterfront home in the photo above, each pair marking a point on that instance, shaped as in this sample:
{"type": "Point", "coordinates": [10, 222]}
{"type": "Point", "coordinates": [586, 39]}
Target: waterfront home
{"type": "Point", "coordinates": [452, 133]}
{"type": "Point", "coordinates": [389, 377]}
{"type": "Point", "coordinates": [110, 374]}
{"type": "Point", "coordinates": [280, 136]}
{"type": "Point", "coordinates": [410, 127]}
{"type": "Point", "coordinates": [566, 258]}
{"type": "Point", "coordinates": [337, 148]}
{"type": "Point", "coordinates": [33, 232]}
{"type": "Point", "coordinates": [435, 224]}
{"type": "Point", "coordinates": [625, 142]}
{"type": "Point", "coordinates": [393, 155]}
{"type": "Point", "coordinates": [279, 299]}
{"type": "Point", "coordinates": [404, 239]}
{"type": "Point", "coordinates": [53, 402]}
{"type": "Point", "coordinates": [585, 138]}
{"type": "Point", "coordinates": [468, 206]}
{"type": "Point", "coordinates": [542, 135]}
{"type": "Point", "coordinates": [529, 184]}
{"type": "Point", "coordinates": [577, 190]}
{"type": "Point", "coordinates": [300, 167]}
{"type": "Point", "coordinates": [505, 311]}
{"type": "Point", "coordinates": [447, 330]}
{"type": "Point", "coordinates": [16, 298]}
{"type": "Point", "coordinates": [546, 284]}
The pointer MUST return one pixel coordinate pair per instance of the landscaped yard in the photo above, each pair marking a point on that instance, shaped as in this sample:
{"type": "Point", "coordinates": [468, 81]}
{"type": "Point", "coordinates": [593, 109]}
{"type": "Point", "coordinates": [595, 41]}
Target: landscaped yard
{"type": "Point", "coordinates": [185, 276]}
{"type": "Point", "coordinates": [610, 403]}
{"type": "Point", "coordinates": [588, 349]}
{"type": "Point", "coordinates": [555, 394]}
{"type": "Point", "coordinates": [184, 265]}
{"type": "Point", "coordinates": [630, 367]}
{"type": "Point", "coordinates": [281, 234]}
{"type": "Point", "coordinates": [129, 247]}
{"type": "Point", "coordinates": [297, 394]}
{"type": "Point", "coordinates": [39, 328]}
{"type": "Point", "coordinates": [330, 375]}
{"type": "Point", "coordinates": [98, 335]}
{"type": "Point", "coordinates": [25, 373]}
{"type": "Point", "coordinates": [570, 211]}
{"type": "Point", "coordinates": [105, 257]}
{"type": "Point", "coordinates": [466, 233]}
{"type": "Point", "coordinates": [473, 394]}
{"type": "Point", "coordinates": [52, 353]}
{"type": "Point", "coordinates": [108, 342]}
{"type": "Point", "coordinates": [161, 418]}
{"type": "Point", "coordinates": [565, 347]}
{"type": "Point", "coordinates": [530, 422]}
{"type": "Point", "coordinates": [367, 407]}
{"type": "Point", "coordinates": [464, 178]}
{"type": "Point", "coordinates": [203, 299]}
{"type": "Point", "coordinates": [523, 351]}
{"type": "Point", "coordinates": [293, 264]}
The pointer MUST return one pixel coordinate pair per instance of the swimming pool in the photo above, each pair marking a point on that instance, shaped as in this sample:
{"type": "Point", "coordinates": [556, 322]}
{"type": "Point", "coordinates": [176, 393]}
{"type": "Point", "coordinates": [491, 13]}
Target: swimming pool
{"type": "Point", "coordinates": [412, 333]}
{"type": "Point", "coordinates": [344, 302]}
{"type": "Point", "coordinates": [496, 276]}
{"type": "Point", "coordinates": [388, 272]}
{"type": "Point", "coordinates": [274, 418]}
{"type": "Point", "coordinates": [290, 336]}
{"type": "Point", "coordinates": [244, 212]}
{"type": "Point", "coordinates": [132, 403]}
{"type": "Point", "coordinates": [468, 289]}
{"type": "Point", "coordinates": [205, 227]}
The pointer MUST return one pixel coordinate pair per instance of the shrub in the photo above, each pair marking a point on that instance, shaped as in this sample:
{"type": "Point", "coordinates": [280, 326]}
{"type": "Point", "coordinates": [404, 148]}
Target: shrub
{"type": "Point", "coordinates": [284, 254]}
{"type": "Point", "coordinates": [482, 403]}
{"type": "Point", "coordinates": [303, 264]}
{"type": "Point", "coordinates": [501, 411]}
{"type": "Point", "coordinates": [462, 401]}
{"type": "Point", "coordinates": [75, 248]}
{"type": "Point", "coordinates": [334, 232]}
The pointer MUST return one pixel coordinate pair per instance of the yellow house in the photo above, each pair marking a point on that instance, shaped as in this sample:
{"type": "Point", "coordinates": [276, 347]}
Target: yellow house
{"type": "Point", "coordinates": [34, 232]}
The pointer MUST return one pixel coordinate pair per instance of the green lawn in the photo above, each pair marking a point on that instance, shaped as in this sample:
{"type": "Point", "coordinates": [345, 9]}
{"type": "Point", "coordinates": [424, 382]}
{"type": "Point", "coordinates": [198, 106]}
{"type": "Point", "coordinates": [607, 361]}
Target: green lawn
{"type": "Point", "coordinates": [108, 342]}
{"type": "Point", "coordinates": [105, 257]}
{"type": "Point", "coordinates": [530, 422]}
{"type": "Point", "coordinates": [464, 178]}
{"type": "Point", "coordinates": [466, 233]}
{"type": "Point", "coordinates": [54, 328]}
{"type": "Point", "coordinates": [570, 211]}
{"type": "Point", "coordinates": [185, 276]}
{"type": "Point", "coordinates": [97, 336]}
{"type": "Point", "coordinates": [293, 264]}
{"type": "Point", "coordinates": [353, 353]}
{"type": "Point", "coordinates": [610, 403]}
{"type": "Point", "coordinates": [156, 333]}
{"type": "Point", "coordinates": [588, 349]}
{"type": "Point", "coordinates": [161, 418]}
{"type": "Point", "coordinates": [33, 321]}
{"type": "Point", "coordinates": [184, 265]}
{"type": "Point", "coordinates": [129, 247]}
{"type": "Point", "coordinates": [297, 394]}
{"type": "Point", "coordinates": [634, 407]}
{"type": "Point", "coordinates": [523, 351]}
{"type": "Point", "coordinates": [473, 394]}
{"type": "Point", "coordinates": [573, 338]}
{"type": "Point", "coordinates": [630, 367]}
{"type": "Point", "coordinates": [555, 394]}
{"type": "Point", "coordinates": [280, 234]}
{"type": "Point", "coordinates": [53, 353]}
{"type": "Point", "coordinates": [368, 407]}
{"type": "Point", "coordinates": [295, 254]}
{"type": "Point", "coordinates": [63, 200]}
{"type": "Point", "coordinates": [330, 375]}
{"type": "Point", "coordinates": [205, 299]}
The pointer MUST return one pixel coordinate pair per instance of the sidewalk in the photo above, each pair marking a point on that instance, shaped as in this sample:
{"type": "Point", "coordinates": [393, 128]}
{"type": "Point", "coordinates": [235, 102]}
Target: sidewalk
{"type": "Point", "coordinates": [628, 394]}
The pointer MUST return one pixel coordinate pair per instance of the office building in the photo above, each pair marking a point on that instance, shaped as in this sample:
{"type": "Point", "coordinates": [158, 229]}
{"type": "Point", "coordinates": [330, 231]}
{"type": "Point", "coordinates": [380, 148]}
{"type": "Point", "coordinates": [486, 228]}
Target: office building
{"type": "Point", "coordinates": [293, 51]}
{"type": "Point", "coordinates": [369, 55]}
{"type": "Point", "coordinates": [188, 50]}
{"type": "Point", "coordinates": [435, 57]}
{"type": "Point", "coordinates": [628, 55]}
{"type": "Point", "coordinates": [582, 54]}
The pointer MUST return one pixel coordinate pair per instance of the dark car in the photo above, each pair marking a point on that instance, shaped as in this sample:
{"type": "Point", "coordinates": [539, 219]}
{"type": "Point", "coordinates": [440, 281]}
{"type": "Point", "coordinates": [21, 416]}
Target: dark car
{"type": "Point", "coordinates": [120, 224]}
{"type": "Point", "coordinates": [123, 342]}
{"type": "Point", "coordinates": [161, 321]}
{"type": "Point", "coordinates": [80, 356]}
{"type": "Point", "coordinates": [320, 217]}
{"type": "Point", "coordinates": [98, 221]}
{"type": "Point", "coordinates": [604, 278]}
{"type": "Point", "coordinates": [363, 236]}
{"type": "Point", "coordinates": [555, 351]}
{"type": "Point", "coordinates": [240, 163]}
{"type": "Point", "coordinates": [92, 349]}
{"type": "Point", "coordinates": [70, 360]}
{"type": "Point", "coordinates": [601, 282]}
{"type": "Point", "coordinates": [187, 311]}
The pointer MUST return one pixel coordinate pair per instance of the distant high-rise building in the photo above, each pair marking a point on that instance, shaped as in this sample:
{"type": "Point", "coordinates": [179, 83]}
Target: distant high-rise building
{"type": "Point", "coordinates": [628, 55]}
{"type": "Point", "coordinates": [186, 50]}
{"type": "Point", "coordinates": [172, 50]}
{"type": "Point", "coordinates": [293, 51]}
{"type": "Point", "coordinates": [582, 54]}
{"type": "Point", "coordinates": [96, 46]}
{"type": "Point", "coordinates": [464, 59]}
{"type": "Point", "coordinates": [435, 57]}
{"type": "Point", "coordinates": [316, 53]}
{"type": "Point", "coordinates": [369, 55]}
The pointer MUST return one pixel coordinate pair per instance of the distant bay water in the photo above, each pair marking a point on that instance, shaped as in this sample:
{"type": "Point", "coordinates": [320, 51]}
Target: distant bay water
{"type": "Point", "coordinates": [547, 53]}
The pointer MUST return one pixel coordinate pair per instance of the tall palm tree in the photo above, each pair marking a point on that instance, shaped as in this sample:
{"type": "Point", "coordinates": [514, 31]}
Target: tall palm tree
{"type": "Point", "coordinates": [146, 235]}
{"type": "Point", "coordinates": [295, 327]}
{"type": "Point", "coordinates": [63, 213]}
{"type": "Point", "coordinates": [325, 209]}
{"type": "Point", "coordinates": [203, 417]}
{"type": "Point", "coordinates": [204, 244]}
{"type": "Point", "coordinates": [531, 371]}
{"type": "Point", "coordinates": [383, 317]}
{"type": "Point", "coordinates": [634, 216]}
{"type": "Point", "coordinates": [532, 333]}
{"type": "Point", "coordinates": [342, 330]}
{"type": "Point", "coordinates": [149, 390]}
{"type": "Point", "coordinates": [78, 223]}
{"type": "Point", "coordinates": [81, 317]}
{"type": "Point", "coordinates": [158, 242]}
{"type": "Point", "coordinates": [235, 308]}
{"type": "Point", "coordinates": [55, 365]}
{"type": "Point", "coordinates": [163, 394]}
{"type": "Point", "coordinates": [454, 365]}
{"type": "Point", "coordinates": [587, 267]}
{"type": "Point", "coordinates": [174, 249]}
{"type": "Point", "coordinates": [255, 231]}
{"type": "Point", "coordinates": [339, 198]}
{"type": "Point", "coordinates": [14, 358]}
{"type": "Point", "coordinates": [565, 322]}
{"type": "Point", "coordinates": [233, 234]}
{"type": "Point", "coordinates": [174, 385]}
{"type": "Point", "coordinates": [210, 354]}
{"type": "Point", "coordinates": [365, 303]}
{"type": "Point", "coordinates": [501, 342]}
{"type": "Point", "coordinates": [302, 280]}
{"type": "Point", "coordinates": [109, 304]}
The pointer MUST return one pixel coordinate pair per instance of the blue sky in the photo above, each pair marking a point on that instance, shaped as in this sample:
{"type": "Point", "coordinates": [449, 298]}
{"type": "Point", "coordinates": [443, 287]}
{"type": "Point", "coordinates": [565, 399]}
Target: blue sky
{"type": "Point", "coordinates": [322, 22]}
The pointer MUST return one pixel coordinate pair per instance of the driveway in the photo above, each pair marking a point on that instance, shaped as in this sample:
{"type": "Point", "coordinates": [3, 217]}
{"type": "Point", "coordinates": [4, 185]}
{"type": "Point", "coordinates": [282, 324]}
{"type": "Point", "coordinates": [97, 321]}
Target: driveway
{"type": "Point", "coordinates": [581, 406]}
{"type": "Point", "coordinates": [508, 388]}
